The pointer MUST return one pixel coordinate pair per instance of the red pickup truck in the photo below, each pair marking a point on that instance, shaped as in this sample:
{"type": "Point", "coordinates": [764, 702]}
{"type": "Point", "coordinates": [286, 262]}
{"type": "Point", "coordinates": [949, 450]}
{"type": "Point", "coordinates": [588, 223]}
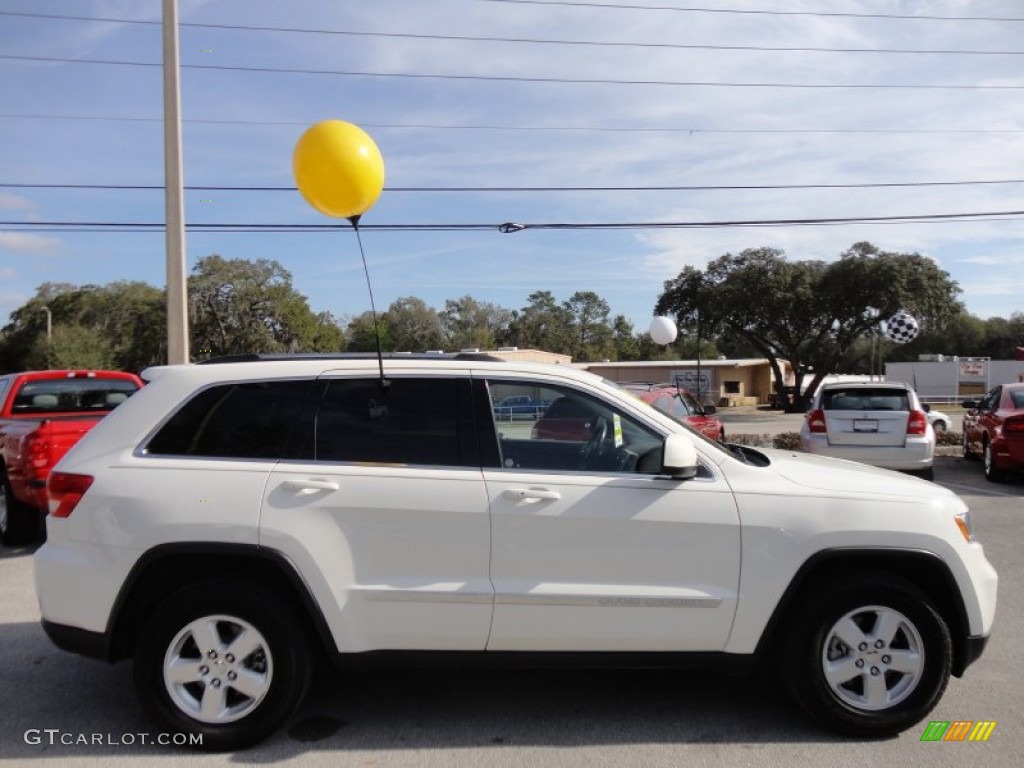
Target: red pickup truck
{"type": "Point", "coordinates": [42, 414]}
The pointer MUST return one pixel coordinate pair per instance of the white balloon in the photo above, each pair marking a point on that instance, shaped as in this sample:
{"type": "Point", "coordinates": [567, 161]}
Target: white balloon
{"type": "Point", "coordinates": [663, 330]}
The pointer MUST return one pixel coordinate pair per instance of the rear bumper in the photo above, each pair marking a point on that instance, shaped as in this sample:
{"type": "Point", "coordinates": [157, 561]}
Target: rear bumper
{"type": "Point", "coordinates": [916, 454]}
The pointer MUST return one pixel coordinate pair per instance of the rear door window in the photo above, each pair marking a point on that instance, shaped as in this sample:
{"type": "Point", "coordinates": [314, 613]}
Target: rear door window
{"type": "Point", "coordinates": [410, 421]}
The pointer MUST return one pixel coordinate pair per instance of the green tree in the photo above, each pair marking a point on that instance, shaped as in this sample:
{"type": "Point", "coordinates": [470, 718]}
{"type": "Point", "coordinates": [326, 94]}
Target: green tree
{"type": "Point", "coordinates": [592, 331]}
{"type": "Point", "coordinates": [132, 316]}
{"type": "Point", "coordinates": [467, 323]}
{"type": "Point", "coordinates": [128, 316]}
{"type": "Point", "coordinates": [808, 313]}
{"type": "Point", "coordinates": [251, 306]}
{"type": "Point", "coordinates": [362, 334]}
{"type": "Point", "coordinates": [542, 324]}
{"type": "Point", "coordinates": [413, 325]}
{"type": "Point", "coordinates": [1002, 336]}
{"type": "Point", "coordinates": [627, 342]}
{"type": "Point", "coordinates": [71, 346]}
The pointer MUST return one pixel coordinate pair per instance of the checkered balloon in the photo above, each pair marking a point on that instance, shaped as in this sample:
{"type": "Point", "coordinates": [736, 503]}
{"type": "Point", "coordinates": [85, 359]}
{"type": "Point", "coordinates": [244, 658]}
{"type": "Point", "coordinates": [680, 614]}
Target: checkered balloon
{"type": "Point", "coordinates": [902, 327]}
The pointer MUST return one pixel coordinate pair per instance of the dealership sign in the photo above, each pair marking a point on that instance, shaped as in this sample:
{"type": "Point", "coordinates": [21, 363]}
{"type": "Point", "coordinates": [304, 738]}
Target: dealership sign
{"type": "Point", "coordinates": [972, 369]}
{"type": "Point", "coordinates": [689, 379]}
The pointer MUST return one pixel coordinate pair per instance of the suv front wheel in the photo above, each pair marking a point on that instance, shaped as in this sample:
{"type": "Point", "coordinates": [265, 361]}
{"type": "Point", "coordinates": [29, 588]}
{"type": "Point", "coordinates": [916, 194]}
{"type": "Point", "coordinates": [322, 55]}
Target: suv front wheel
{"type": "Point", "coordinates": [223, 661]}
{"type": "Point", "coordinates": [868, 656]}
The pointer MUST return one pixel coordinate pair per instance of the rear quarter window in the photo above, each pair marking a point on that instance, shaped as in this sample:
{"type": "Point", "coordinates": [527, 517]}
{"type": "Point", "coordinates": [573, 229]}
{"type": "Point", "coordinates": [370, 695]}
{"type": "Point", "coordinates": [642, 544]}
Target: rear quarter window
{"type": "Point", "coordinates": [250, 420]}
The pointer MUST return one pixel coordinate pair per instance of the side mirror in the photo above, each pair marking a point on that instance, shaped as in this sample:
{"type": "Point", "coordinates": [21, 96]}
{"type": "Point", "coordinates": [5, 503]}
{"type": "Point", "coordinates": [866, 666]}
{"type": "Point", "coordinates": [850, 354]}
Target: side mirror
{"type": "Point", "coordinates": [969, 405]}
{"type": "Point", "coordinates": [709, 409]}
{"type": "Point", "coordinates": [679, 460]}
{"type": "Point", "coordinates": [926, 408]}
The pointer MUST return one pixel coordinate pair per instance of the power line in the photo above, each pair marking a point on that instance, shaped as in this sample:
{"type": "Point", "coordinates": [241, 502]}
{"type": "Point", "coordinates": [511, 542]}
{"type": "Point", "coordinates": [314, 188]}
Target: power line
{"type": "Point", "coordinates": [681, 188]}
{"type": "Point", "coordinates": [509, 227]}
{"type": "Point", "coordinates": [528, 128]}
{"type": "Point", "coordinates": [825, 14]}
{"type": "Point", "coordinates": [524, 79]}
{"type": "Point", "coordinates": [524, 40]}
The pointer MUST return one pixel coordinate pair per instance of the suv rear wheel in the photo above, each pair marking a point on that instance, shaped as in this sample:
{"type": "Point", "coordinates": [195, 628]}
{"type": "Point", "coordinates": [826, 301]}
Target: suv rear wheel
{"type": "Point", "coordinates": [225, 661]}
{"type": "Point", "coordinates": [868, 656]}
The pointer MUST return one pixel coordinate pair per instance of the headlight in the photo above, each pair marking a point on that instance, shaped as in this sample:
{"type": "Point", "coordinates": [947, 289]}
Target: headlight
{"type": "Point", "coordinates": [963, 522]}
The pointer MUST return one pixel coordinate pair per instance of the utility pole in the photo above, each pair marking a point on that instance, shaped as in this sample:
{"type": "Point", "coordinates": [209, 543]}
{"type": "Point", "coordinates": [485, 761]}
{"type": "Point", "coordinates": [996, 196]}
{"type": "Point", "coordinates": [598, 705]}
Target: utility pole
{"type": "Point", "coordinates": [174, 196]}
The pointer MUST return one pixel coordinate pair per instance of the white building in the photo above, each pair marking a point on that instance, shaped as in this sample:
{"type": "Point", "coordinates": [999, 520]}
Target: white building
{"type": "Point", "coordinates": [953, 379]}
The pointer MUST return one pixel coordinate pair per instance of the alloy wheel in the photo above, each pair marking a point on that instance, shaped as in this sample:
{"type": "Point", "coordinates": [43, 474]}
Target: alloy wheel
{"type": "Point", "coordinates": [218, 669]}
{"type": "Point", "coordinates": [873, 658]}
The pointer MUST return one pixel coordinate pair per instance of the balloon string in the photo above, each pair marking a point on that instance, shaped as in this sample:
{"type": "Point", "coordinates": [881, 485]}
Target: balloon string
{"type": "Point", "coordinates": [373, 308]}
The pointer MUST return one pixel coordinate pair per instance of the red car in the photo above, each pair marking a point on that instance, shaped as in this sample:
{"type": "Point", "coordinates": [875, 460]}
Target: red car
{"type": "Point", "coordinates": [567, 419]}
{"type": "Point", "coordinates": [994, 428]}
{"type": "Point", "coordinates": [682, 406]}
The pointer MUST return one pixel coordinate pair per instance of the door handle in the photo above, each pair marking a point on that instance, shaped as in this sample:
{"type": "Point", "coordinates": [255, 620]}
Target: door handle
{"type": "Point", "coordinates": [306, 487]}
{"type": "Point", "coordinates": [532, 494]}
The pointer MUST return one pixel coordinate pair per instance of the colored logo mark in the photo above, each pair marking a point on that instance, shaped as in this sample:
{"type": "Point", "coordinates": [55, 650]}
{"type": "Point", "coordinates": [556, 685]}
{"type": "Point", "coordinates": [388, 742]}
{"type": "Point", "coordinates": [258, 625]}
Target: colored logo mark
{"type": "Point", "coordinates": [958, 730]}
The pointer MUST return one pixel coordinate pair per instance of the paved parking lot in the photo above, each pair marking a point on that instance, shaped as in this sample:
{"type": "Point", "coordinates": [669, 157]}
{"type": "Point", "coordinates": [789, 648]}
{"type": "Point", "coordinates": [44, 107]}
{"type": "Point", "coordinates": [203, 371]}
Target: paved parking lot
{"type": "Point", "coordinates": [513, 718]}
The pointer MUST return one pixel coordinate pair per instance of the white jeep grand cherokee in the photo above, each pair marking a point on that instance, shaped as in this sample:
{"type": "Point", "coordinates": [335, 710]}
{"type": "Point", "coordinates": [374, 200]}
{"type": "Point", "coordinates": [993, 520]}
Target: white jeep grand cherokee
{"type": "Point", "coordinates": [231, 519]}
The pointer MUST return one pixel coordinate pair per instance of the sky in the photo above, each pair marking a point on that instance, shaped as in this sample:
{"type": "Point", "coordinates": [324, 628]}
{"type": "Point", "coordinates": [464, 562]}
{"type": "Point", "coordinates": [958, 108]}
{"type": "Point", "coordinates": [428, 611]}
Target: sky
{"type": "Point", "coordinates": [539, 112]}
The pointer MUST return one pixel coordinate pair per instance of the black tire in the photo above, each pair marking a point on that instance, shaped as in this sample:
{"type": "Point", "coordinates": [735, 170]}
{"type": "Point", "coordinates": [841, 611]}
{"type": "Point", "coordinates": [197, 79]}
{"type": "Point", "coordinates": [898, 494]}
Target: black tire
{"type": "Point", "coordinates": [926, 474]}
{"type": "Point", "coordinates": [969, 454]}
{"type": "Point", "coordinates": [19, 523]}
{"type": "Point", "coordinates": [939, 427]}
{"type": "Point", "coordinates": [250, 696]}
{"type": "Point", "coordinates": [881, 700]}
{"type": "Point", "coordinates": [992, 473]}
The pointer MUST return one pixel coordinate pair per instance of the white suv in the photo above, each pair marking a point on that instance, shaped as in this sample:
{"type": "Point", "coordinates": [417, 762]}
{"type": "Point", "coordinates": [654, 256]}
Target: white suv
{"type": "Point", "coordinates": [232, 519]}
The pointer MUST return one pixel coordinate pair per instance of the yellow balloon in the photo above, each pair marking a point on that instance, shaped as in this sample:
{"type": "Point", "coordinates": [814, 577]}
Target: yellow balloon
{"type": "Point", "coordinates": [338, 168]}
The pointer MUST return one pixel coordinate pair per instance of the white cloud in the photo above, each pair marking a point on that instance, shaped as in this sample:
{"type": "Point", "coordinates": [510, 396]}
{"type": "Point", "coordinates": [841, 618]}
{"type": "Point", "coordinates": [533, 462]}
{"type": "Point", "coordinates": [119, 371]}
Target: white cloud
{"type": "Point", "coordinates": [10, 301]}
{"type": "Point", "coordinates": [739, 136]}
{"type": "Point", "coordinates": [10, 202]}
{"type": "Point", "coordinates": [26, 242]}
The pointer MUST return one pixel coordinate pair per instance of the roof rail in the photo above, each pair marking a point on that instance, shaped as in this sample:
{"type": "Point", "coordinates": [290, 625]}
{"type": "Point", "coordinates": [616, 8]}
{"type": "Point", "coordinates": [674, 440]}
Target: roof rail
{"type": "Point", "coordinates": [263, 357]}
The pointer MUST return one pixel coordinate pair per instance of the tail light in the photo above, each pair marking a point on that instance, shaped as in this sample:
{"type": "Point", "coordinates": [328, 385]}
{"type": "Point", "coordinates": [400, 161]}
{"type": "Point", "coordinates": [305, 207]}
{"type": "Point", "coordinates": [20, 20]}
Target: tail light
{"type": "Point", "coordinates": [37, 452]}
{"type": "Point", "coordinates": [816, 421]}
{"type": "Point", "coordinates": [917, 423]}
{"type": "Point", "coordinates": [1014, 426]}
{"type": "Point", "coordinates": [66, 490]}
